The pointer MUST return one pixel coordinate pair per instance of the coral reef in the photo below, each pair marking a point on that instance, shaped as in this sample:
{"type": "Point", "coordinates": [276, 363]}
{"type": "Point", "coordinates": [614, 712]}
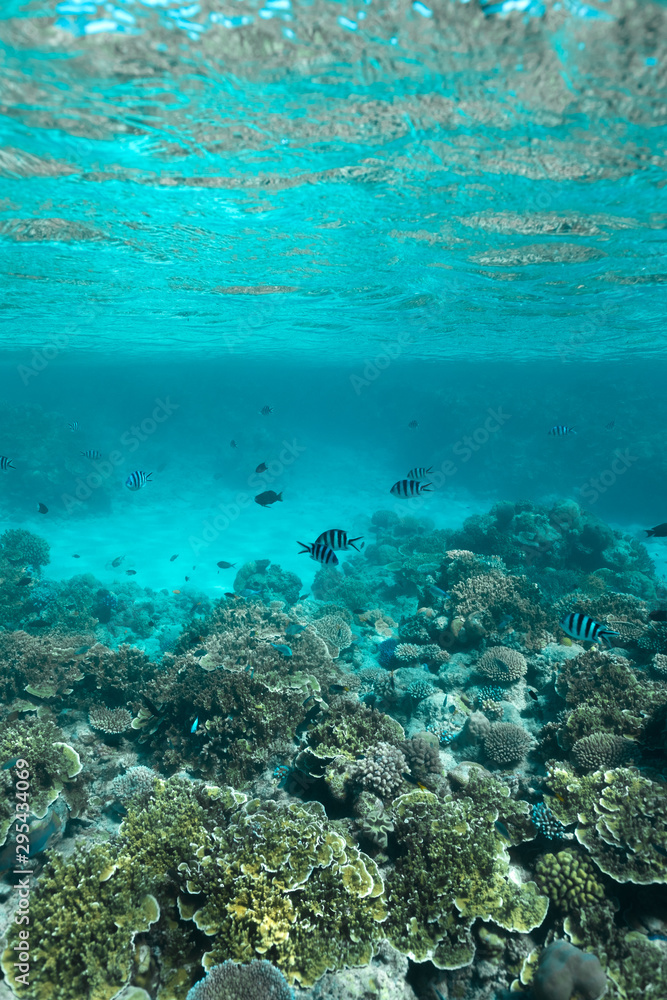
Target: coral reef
{"type": "Point", "coordinates": [109, 720]}
{"type": "Point", "coordinates": [565, 971]}
{"type": "Point", "coordinates": [601, 750]}
{"type": "Point", "coordinates": [22, 548]}
{"type": "Point", "coordinates": [380, 771]}
{"type": "Point", "coordinates": [569, 880]}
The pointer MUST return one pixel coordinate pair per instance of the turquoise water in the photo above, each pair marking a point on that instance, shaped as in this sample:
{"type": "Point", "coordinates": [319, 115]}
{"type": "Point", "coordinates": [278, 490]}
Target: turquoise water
{"type": "Point", "coordinates": [303, 248]}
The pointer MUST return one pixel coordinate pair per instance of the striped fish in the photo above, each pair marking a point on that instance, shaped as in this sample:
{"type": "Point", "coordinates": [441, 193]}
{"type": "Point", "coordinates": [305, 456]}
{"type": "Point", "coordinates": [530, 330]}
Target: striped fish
{"type": "Point", "coordinates": [92, 453]}
{"type": "Point", "coordinates": [5, 463]}
{"type": "Point", "coordinates": [584, 628]}
{"type": "Point", "coordinates": [559, 430]}
{"type": "Point", "coordinates": [320, 552]}
{"type": "Point", "coordinates": [136, 480]}
{"type": "Point", "coordinates": [409, 488]}
{"type": "Point", "coordinates": [336, 538]}
{"type": "Point", "coordinates": [74, 426]}
{"type": "Point", "coordinates": [266, 410]}
{"type": "Point", "coordinates": [419, 472]}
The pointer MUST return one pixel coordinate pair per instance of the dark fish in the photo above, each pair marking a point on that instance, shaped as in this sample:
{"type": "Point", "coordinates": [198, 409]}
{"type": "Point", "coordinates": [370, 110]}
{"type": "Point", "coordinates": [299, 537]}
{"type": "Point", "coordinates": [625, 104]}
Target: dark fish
{"type": "Point", "coordinates": [75, 555]}
{"type": "Point", "coordinates": [117, 561]}
{"type": "Point", "coordinates": [268, 497]}
{"type": "Point", "coordinates": [266, 410]}
{"type": "Point", "coordinates": [74, 426]}
{"type": "Point", "coordinates": [437, 591]}
{"type": "Point", "coordinates": [413, 424]}
{"type": "Point", "coordinates": [659, 615]}
{"type": "Point", "coordinates": [533, 694]}
{"type": "Point", "coordinates": [232, 444]}
{"type": "Point", "coordinates": [505, 621]}
{"type": "Point", "coordinates": [610, 425]}
{"type": "Point", "coordinates": [24, 581]}
{"type": "Point", "coordinates": [38, 623]}
{"type": "Point", "coordinates": [261, 467]}
{"type": "Point", "coordinates": [419, 472]}
{"type": "Point", "coordinates": [293, 629]}
{"type": "Point", "coordinates": [6, 463]}
{"type": "Point", "coordinates": [302, 597]}
{"type": "Point", "coordinates": [42, 508]}
{"type": "Point", "coordinates": [92, 453]}
{"type": "Point", "coordinates": [559, 430]}
{"type": "Point", "coordinates": [320, 553]}
{"type": "Point", "coordinates": [131, 572]}
{"type": "Point", "coordinates": [502, 830]}
{"type": "Point", "coordinates": [137, 480]}
{"type": "Point", "coordinates": [81, 650]}
{"type": "Point", "coordinates": [174, 557]}
{"type": "Point", "coordinates": [226, 565]}
{"type": "Point", "coordinates": [282, 648]}
{"type": "Point", "coordinates": [337, 540]}
{"type": "Point", "coordinates": [660, 531]}
{"type": "Point", "coordinates": [580, 626]}
{"type": "Point", "coordinates": [187, 578]}
{"type": "Point", "coordinates": [229, 594]}
{"type": "Point", "coordinates": [409, 488]}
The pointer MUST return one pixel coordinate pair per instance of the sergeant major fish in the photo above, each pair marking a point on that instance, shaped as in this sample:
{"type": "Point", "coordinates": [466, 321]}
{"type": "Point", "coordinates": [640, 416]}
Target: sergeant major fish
{"type": "Point", "coordinates": [320, 553]}
{"type": "Point", "coordinates": [584, 628]}
{"type": "Point", "coordinates": [559, 430]}
{"type": "Point", "coordinates": [419, 472]}
{"type": "Point", "coordinates": [337, 539]}
{"type": "Point", "coordinates": [92, 453]}
{"type": "Point", "coordinates": [6, 463]}
{"type": "Point", "coordinates": [137, 480]}
{"type": "Point", "coordinates": [409, 488]}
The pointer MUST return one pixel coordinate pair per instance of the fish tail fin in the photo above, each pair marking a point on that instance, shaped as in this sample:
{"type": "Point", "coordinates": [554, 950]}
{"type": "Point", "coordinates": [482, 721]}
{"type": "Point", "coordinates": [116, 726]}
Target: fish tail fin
{"type": "Point", "coordinates": [10, 466]}
{"type": "Point", "coordinates": [426, 488]}
{"type": "Point", "coordinates": [148, 475]}
{"type": "Point", "coordinates": [351, 542]}
{"type": "Point", "coordinates": [430, 468]}
{"type": "Point", "coordinates": [649, 532]}
{"type": "Point", "coordinates": [304, 548]}
{"type": "Point", "coordinates": [280, 497]}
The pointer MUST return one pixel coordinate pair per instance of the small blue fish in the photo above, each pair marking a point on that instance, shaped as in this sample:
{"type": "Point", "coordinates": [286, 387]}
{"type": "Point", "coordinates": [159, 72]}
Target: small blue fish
{"type": "Point", "coordinates": [193, 727]}
{"type": "Point", "coordinates": [293, 629]}
{"type": "Point", "coordinates": [81, 650]}
{"type": "Point", "coordinates": [282, 649]}
{"type": "Point", "coordinates": [248, 592]}
{"type": "Point", "coordinates": [505, 621]}
{"type": "Point", "coordinates": [437, 592]}
{"type": "Point", "coordinates": [8, 765]}
{"type": "Point", "coordinates": [502, 830]}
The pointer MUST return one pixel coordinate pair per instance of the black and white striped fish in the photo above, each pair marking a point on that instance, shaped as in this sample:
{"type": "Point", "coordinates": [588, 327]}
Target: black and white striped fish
{"type": "Point", "coordinates": [136, 480]}
{"type": "Point", "coordinates": [559, 430]}
{"type": "Point", "coordinates": [5, 463]}
{"type": "Point", "coordinates": [74, 426]}
{"type": "Point", "coordinates": [92, 453]}
{"type": "Point", "coordinates": [584, 628]}
{"type": "Point", "coordinates": [266, 410]}
{"type": "Point", "coordinates": [409, 488]}
{"type": "Point", "coordinates": [320, 552]}
{"type": "Point", "coordinates": [336, 538]}
{"type": "Point", "coordinates": [419, 472]}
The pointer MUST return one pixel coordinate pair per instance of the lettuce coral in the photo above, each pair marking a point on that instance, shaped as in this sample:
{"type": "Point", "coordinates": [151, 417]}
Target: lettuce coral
{"type": "Point", "coordinates": [452, 870]}
{"type": "Point", "coordinates": [280, 881]}
{"type": "Point", "coordinates": [621, 819]}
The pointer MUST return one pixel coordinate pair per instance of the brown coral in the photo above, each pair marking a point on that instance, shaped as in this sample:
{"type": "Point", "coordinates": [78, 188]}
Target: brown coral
{"type": "Point", "coordinates": [501, 664]}
{"type": "Point", "coordinates": [335, 631]}
{"type": "Point", "coordinates": [407, 652]}
{"type": "Point", "coordinates": [492, 596]}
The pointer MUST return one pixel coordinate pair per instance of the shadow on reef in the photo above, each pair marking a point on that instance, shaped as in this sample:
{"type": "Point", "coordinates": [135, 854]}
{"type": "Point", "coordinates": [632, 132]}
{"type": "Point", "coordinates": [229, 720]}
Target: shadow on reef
{"type": "Point", "coordinates": [412, 786]}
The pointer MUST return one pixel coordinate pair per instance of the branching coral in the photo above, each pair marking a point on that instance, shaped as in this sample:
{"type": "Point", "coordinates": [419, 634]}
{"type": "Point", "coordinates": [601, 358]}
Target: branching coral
{"type": "Point", "coordinates": [621, 819]}
{"type": "Point", "coordinates": [23, 548]}
{"type": "Point", "coordinates": [380, 771]}
{"type": "Point", "coordinates": [602, 750]}
{"type": "Point", "coordinates": [407, 652]}
{"type": "Point", "coordinates": [257, 981]}
{"type": "Point", "coordinates": [109, 720]}
{"type": "Point", "coordinates": [606, 695]}
{"type": "Point", "coordinates": [491, 597]}
{"type": "Point", "coordinates": [501, 664]}
{"type": "Point", "coordinates": [282, 882]}
{"type": "Point", "coordinates": [506, 743]}
{"type": "Point", "coordinates": [138, 783]}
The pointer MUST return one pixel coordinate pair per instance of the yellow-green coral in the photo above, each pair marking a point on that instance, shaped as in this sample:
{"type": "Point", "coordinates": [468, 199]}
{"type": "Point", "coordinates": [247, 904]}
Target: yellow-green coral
{"type": "Point", "coordinates": [453, 870]}
{"type": "Point", "coordinates": [621, 818]}
{"type": "Point", "coordinates": [282, 882]}
{"type": "Point", "coordinates": [569, 880]}
{"type": "Point", "coordinates": [51, 762]}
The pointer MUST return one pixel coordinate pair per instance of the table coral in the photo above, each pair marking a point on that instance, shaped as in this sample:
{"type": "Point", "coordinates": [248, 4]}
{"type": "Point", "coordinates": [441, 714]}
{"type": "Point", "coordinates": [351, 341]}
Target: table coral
{"type": "Point", "coordinates": [621, 819]}
{"type": "Point", "coordinates": [452, 870]}
{"type": "Point", "coordinates": [281, 881]}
